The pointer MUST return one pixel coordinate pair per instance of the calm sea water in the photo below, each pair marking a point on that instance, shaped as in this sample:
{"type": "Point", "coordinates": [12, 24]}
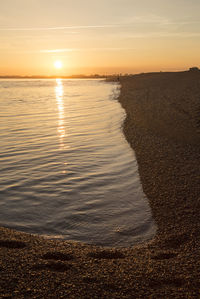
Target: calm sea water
{"type": "Point", "coordinates": [66, 169]}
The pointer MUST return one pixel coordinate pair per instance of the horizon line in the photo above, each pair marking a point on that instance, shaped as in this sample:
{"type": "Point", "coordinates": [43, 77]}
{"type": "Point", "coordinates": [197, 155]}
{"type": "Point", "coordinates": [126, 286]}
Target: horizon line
{"type": "Point", "coordinates": [96, 74]}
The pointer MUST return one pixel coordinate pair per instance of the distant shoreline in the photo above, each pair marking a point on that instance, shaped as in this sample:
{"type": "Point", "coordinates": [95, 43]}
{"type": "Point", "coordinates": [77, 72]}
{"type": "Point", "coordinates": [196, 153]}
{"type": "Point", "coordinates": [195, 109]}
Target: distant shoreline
{"type": "Point", "coordinates": [55, 77]}
{"type": "Point", "coordinates": [92, 76]}
{"type": "Point", "coordinates": [163, 127]}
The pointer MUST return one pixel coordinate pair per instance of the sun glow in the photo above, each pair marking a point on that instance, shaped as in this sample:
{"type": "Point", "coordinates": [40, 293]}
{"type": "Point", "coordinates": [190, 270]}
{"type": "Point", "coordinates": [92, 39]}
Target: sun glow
{"type": "Point", "coordinates": [58, 64]}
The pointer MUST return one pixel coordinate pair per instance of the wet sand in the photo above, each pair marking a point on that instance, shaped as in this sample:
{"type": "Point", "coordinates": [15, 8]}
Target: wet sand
{"type": "Point", "coordinates": [163, 127]}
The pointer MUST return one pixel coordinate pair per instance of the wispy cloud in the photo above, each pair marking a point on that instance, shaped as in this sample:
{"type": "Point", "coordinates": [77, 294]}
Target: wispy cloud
{"type": "Point", "coordinates": [58, 50]}
{"type": "Point", "coordinates": [8, 50]}
{"type": "Point", "coordinates": [85, 50]}
{"type": "Point", "coordinates": [60, 28]}
{"type": "Point", "coordinates": [139, 20]}
{"type": "Point", "coordinates": [163, 35]}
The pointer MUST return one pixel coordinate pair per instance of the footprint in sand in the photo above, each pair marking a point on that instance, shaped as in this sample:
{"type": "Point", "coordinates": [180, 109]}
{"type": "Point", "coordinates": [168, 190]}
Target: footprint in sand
{"type": "Point", "coordinates": [173, 282]}
{"type": "Point", "coordinates": [164, 256]}
{"type": "Point", "coordinates": [13, 244]}
{"type": "Point", "coordinates": [106, 285]}
{"type": "Point", "coordinates": [53, 266]}
{"type": "Point", "coordinates": [106, 254]}
{"type": "Point", "coordinates": [54, 255]}
{"type": "Point", "coordinates": [176, 241]}
{"type": "Point", "coordinates": [89, 279]}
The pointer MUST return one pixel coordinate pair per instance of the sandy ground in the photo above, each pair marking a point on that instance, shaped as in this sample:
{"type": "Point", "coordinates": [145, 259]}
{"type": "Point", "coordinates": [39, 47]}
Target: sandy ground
{"type": "Point", "coordinates": [163, 127]}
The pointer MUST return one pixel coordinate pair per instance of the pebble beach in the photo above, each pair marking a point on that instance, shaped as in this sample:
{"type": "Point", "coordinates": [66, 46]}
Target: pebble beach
{"type": "Point", "coordinates": [163, 128]}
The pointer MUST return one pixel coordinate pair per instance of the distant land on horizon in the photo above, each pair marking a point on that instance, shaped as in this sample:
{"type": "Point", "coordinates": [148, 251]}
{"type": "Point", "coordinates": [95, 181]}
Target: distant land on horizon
{"type": "Point", "coordinates": [53, 76]}
{"type": "Point", "coordinates": [92, 76]}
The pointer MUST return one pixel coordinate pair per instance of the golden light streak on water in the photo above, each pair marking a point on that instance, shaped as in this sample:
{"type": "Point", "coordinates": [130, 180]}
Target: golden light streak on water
{"type": "Point", "coordinates": [59, 97]}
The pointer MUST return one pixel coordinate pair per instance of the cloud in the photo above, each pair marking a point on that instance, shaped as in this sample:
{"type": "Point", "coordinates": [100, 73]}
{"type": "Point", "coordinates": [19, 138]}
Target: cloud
{"type": "Point", "coordinates": [85, 50]}
{"type": "Point", "coordinates": [161, 34]}
{"type": "Point", "coordinates": [58, 50]}
{"type": "Point", "coordinates": [60, 28]}
{"type": "Point", "coordinates": [128, 22]}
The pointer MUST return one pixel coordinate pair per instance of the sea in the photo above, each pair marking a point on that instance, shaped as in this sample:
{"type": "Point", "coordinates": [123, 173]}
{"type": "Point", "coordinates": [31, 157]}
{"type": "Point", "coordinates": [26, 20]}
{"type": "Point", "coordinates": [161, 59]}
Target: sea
{"type": "Point", "coordinates": [66, 169]}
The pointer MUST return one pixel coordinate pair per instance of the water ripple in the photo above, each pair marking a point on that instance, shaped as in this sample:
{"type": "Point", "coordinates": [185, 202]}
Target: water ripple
{"type": "Point", "coordinates": [66, 168]}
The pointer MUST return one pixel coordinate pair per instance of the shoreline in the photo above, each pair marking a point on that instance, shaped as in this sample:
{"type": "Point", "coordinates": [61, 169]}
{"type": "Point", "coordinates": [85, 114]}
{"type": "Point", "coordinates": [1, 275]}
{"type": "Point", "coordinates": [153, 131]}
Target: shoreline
{"type": "Point", "coordinates": [162, 126]}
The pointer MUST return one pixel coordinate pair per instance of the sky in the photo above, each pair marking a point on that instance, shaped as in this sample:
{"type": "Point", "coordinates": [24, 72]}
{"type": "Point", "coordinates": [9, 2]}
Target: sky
{"type": "Point", "coordinates": [98, 36]}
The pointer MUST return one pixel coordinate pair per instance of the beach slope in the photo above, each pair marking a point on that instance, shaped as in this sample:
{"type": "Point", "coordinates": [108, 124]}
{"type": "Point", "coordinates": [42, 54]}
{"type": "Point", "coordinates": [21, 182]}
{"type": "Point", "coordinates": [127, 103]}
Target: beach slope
{"type": "Point", "coordinates": [163, 127]}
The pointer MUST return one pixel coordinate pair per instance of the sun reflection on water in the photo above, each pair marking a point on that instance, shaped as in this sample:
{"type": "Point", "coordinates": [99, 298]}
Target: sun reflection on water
{"type": "Point", "coordinates": [59, 97]}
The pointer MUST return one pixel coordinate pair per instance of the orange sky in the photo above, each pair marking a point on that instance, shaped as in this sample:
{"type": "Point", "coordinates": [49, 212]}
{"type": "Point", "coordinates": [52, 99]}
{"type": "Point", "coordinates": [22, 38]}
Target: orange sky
{"type": "Point", "coordinates": [102, 37]}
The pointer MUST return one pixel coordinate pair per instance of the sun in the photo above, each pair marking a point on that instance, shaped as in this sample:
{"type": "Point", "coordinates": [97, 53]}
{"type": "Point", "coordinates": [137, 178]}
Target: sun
{"type": "Point", "coordinates": [58, 64]}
